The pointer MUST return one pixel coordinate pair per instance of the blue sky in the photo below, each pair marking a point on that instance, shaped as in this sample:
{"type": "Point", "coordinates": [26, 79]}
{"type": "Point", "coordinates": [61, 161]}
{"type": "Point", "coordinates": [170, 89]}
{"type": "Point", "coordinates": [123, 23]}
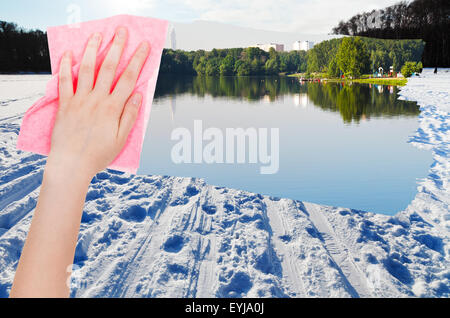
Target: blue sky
{"type": "Point", "coordinates": [306, 16]}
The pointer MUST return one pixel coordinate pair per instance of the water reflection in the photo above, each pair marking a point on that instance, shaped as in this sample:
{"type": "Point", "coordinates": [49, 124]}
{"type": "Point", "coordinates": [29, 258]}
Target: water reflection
{"type": "Point", "coordinates": [330, 152]}
{"type": "Point", "coordinates": [353, 102]}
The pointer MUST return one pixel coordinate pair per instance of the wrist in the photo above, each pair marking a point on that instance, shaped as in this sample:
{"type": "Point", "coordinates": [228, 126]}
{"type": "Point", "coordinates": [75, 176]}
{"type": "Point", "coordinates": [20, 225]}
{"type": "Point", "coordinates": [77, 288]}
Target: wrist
{"type": "Point", "coordinates": [59, 171]}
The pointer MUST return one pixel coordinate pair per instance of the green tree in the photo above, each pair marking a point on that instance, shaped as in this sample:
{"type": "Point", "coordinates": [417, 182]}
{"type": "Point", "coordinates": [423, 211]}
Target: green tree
{"type": "Point", "coordinates": [256, 66]}
{"type": "Point", "coordinates": [419, 67]}
{"type": "Point", "coordinates": [212, 67]}
{"type": "Point", "coordinates": [227, 66]}
{"type": "Point", "coordinates": [272, 53]}
{"type": "Point", "coordinates": [352, 57]}
{"type": "Point", "coordinates": [411, 67]}
{"type": "Point", "coordinates": [379, 58]}
{"type": "Point", "coordinates": [242, 68]}
{"type": "Point", "coordinates": [272, 67]}
{"type": "Point", "coordinates": [200, 68]}
{"type": "Point", "coordinates": [333, 69]}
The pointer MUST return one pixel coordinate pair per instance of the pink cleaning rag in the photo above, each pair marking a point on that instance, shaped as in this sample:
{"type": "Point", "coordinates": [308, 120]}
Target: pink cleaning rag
{"type": "Point", "coordinates": [37, 125]}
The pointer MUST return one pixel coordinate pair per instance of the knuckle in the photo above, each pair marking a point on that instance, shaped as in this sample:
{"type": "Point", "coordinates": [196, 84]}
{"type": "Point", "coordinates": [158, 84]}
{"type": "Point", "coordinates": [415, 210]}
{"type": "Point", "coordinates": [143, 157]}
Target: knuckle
{"type": "Point", "coordinates": [63, 104]}
{"type": "Point", "coordinates": [64, 78]}
{"type": "Point", "coordinates": [92, 44]}
{"type": "Point", "coordinates": [132, 113]}
{"type": "Point", "coordinates": [132, 110]}
{"type": "Point", "coordinates": [110, 106]}
{"type": "Point", "coordinates": [78, 100]}
{"type": "Point", "coordinates": [118, 41]}
{"type": "Point", "coordinates": [86, 68]}
{"type": "Point", "coordinates": [95, 97]}
{"type": "Point", "coordinates": [141, 55]}
{"type": "Point", "coordinates": [129, 75]}
{"type": "Point", "coordinates": [111, 110]}
{"type": "Point", "coordinates": [109, 66]}
{"type": "Point", "coordinates": [65, 60]}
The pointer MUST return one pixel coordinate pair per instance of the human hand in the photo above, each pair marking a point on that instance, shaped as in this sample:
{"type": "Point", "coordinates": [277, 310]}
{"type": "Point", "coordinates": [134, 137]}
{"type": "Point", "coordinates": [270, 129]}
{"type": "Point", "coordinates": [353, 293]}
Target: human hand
{"type": "Point", "coordinates": [92, 124]}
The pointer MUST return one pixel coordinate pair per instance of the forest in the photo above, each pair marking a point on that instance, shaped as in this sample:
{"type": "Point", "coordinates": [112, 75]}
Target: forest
{"type": "Point", "coordinates": [27, 51]}
{"type": "Point", "coordinates": [428, 20]}
{"type": "Point", "coordinates": [350, 56]}
{"type": "Point", "coordinates": [236, 61]}
{"type": "Point", "coordinates": [354, 56]}
{"type": "Point", "coordinates": [23, 50]}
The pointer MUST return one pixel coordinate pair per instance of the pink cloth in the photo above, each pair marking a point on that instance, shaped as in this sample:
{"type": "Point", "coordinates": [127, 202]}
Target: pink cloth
{"type": "Point", "coordinates": [37, 125]}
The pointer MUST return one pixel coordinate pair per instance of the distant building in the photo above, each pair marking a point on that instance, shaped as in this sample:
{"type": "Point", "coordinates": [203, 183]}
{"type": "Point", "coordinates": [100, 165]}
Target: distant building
{"type": "Point", "coordinates": [267, 47]}
{"type": "Point", "coordinates": [302, 45]}
{"type": "Point", "coordinates": [173, 39]}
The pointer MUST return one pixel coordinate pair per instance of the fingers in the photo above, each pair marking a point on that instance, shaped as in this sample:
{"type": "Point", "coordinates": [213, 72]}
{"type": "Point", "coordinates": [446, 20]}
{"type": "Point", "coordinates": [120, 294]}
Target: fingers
{"type": "Point", "coordinates": [128, 118]}
{"type": "Point", "coordinates": [65, 78]}
{"type": "Point", "coordinates": [108, 69]}
{"type": "Point", "coordinates": [127, 81]}
{"type": "Point", "coordinates": [87, 68]}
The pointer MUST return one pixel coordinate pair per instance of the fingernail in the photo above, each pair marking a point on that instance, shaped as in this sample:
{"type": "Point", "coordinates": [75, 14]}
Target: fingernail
{"type": "Point", "coordinates": [121, 32]}
{"type": "Point", "coordinates": [144, 46]}
{"type": "Point", "coordinates": [67, 54]}
{"type": "Point", "coordinates": [96, 37]}
{"type": "Point", "coordinates": [136, 99]}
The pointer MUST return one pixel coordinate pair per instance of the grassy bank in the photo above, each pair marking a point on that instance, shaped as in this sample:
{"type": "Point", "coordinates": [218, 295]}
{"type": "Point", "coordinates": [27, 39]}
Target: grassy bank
{"type": "Point", "coordinates": [382, 81]}
{"type": "Point", "coordinates": [364, 79]}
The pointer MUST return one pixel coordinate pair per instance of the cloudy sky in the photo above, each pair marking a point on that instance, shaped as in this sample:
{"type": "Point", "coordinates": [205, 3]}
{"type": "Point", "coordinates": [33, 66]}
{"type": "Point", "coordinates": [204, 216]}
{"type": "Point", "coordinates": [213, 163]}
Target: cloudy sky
{"type": "Point", "coordinates": [306, 16]}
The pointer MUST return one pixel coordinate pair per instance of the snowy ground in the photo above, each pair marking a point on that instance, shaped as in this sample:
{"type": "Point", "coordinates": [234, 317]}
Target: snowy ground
{"type": "Point", "coordinates": [154, 236]}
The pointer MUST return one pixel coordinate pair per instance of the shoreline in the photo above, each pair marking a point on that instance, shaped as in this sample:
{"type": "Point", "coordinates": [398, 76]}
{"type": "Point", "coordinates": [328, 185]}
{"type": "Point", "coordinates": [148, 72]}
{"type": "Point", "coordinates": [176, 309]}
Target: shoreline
{"type": "Point", "coordinates": [375, 81]}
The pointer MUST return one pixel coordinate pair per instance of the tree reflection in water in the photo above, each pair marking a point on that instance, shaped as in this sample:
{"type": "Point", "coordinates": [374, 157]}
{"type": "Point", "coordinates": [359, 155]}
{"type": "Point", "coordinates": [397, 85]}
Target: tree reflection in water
{"type": "Point", "coordinates": [354, 102]}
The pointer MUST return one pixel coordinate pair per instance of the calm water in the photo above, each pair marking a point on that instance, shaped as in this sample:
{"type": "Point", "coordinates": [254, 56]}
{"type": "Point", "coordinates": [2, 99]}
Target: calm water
{"type": "Point", "coordinates": [339, 145]}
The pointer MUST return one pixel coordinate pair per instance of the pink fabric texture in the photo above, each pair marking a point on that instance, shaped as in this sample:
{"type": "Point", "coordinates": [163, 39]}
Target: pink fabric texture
{"type": "Point", "coordinates": [37, 125]}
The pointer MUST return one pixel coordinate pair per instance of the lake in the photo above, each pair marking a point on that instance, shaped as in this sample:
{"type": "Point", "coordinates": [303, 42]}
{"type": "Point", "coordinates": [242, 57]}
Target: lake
{"type": "Point", "coordinates": [339, 145]}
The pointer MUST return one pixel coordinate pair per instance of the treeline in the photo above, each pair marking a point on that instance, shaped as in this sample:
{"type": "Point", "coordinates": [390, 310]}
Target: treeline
{"type": "Point", "coordinates": [23, 50]}
{"type": "Point", "coordinates": [27, 51]}
{"type": "Point", "coordinates": [353, 56]}
{"type": "Point", "coordinates": [428, 20]}
{"type": "Point", "coordinates": [349, 56]}
{"type": "Point", "coordinates": [236, 61]}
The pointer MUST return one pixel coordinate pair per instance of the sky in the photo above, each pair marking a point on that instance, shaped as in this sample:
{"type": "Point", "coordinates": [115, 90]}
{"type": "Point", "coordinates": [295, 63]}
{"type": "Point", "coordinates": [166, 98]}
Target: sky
{"type": "Point", "coordinates": [305, 16]}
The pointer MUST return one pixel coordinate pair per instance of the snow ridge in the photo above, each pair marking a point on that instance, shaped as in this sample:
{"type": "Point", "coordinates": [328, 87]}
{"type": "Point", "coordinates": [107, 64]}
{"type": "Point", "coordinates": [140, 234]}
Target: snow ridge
{"type": "Point", "coordinates": [160, 236]}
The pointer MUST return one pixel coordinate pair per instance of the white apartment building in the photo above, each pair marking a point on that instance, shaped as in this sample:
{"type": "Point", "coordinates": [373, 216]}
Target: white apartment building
{"type": "Point", "coordinates": [302, 45]}
{"type": "Point", "coordinates": [275, 46]}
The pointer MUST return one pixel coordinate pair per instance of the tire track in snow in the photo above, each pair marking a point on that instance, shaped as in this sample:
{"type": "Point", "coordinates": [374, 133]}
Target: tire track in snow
{"type": "Point", "coordinates": [15, 212]}
{"type": "Point", "coordinates": [202, 284]}
{"type": "Point", "coordinates": [291, 272]}
{"type": "Point", "coordinates": [338, 251]}
{"type": "Point", "coordinates": [207, 263]}
{"type": "Point", "coordinates": [134, 257]}
{"type": "Point", "coordinates": [20, 188]}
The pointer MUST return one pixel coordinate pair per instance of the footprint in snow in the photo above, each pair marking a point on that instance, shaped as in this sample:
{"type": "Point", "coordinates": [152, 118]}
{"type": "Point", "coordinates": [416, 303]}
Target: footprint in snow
{"type": "Point", "coordinates": [174, 244]}
{"type": "Point", "coordinates": [134, 213]}
{"type": "Point", "coordinates": [209, 209]}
